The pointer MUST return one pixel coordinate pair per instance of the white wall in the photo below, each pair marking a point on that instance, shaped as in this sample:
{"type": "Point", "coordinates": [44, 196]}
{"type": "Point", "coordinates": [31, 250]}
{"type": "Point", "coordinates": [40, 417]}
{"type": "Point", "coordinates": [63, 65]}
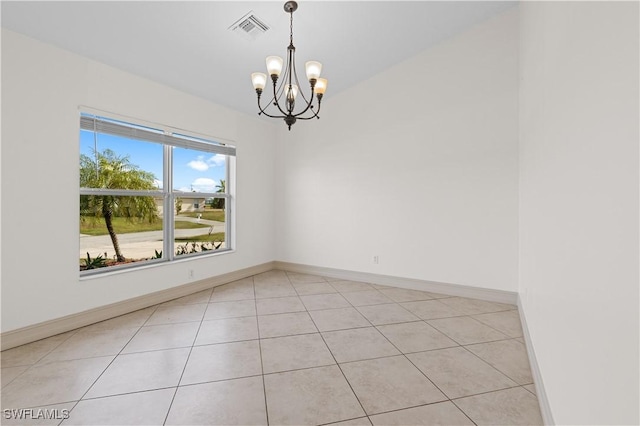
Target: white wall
{"type": "Point", "coordinates": [42, 87]}
{"type": "Point", "coordinates": [417, 165]}
{"type": "Point", "coordinates": [579, 205]}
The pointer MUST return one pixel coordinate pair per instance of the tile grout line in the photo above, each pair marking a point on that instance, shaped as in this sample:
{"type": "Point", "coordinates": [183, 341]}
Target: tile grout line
{"type": "Point", "coordinates": [346, 420]}
{"type": "Point", "coordinates": [109, 364]}
{"type": "Point", "coordinates": [166, 417]}
{"type": "Point", "coordinates": [342, 372]}
{"type": "Point", "coordinates": [487, 325]}
{"type": "Point", "coordinates": [493, 366]}
{"type": "Point", "coordinates": [489, 364]}
{"type": "Point", "coordinates": [437, 387]}
{"type": "Point", "coordinates": [338, 364]}
{"type": "Point", "coordinates": [185, 385]}
{"type": "Point", "coordinates": [474, 343]}
{"type": "Point", "coordinates": [416, 406]}
{"type": "Point", "coordinates": [20, 374]}
{"type": "Point", "coordinates": [126, 393]}
{"type": "Point", "coordinates": [264, 385]}
{"type": "Point", "coordinates": [29, 366]}
{"type": "Point", "coordinates": [490, 326]}
{"type": "Point", "coordinates": [488, 392]}
{"type": "Point", "coordinates": [529, 384]}
{"type": "Point", "coordinates": [298, 369]}
{"type": "Point", "coordinates": [481, 393]}
{"type": "Point", "coordinates": [428, 325]}
{"type": "Point", "coordinates": [415, 366]}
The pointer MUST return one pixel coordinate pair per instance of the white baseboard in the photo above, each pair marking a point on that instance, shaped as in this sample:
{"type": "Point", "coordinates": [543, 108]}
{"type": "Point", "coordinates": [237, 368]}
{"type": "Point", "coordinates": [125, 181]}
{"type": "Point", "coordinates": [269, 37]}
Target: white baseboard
{"type": "Point", "coordinates": [31, 333]}
{"type": "Point", "coordinates": [491, 295]}
{"type": "Point", "coordinates": [543, 401]}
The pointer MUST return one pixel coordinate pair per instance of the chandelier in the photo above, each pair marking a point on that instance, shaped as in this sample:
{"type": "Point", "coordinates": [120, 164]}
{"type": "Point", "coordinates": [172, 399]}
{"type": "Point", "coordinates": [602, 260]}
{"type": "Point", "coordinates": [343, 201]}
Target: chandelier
{"type": "Point", "coordinates": [285, 94]}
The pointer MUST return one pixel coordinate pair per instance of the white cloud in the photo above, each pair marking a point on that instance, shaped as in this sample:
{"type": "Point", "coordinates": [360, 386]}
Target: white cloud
{"type": "Point", "coordinates": [204, 185]}
{"type": "Point", "coordinates": [217, 160]}
{"type": "Point", "coordinates": [202, 165]}
{"type": "Point", "coordinates": [198, 165]}
{"type": "Point", "coordinates": [157, 183]}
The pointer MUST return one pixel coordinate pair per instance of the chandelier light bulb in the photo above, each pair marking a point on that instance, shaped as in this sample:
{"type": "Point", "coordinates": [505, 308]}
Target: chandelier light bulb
{"type": "Point", "coordinates": [274, 65]}
{"type": "Point", "coordinates": [292, 92]}
{"type": "Point", "coordinates": [259, 80]}
{"type": "Point", "coordinates": [313, 70]}
{"type": "Point", "coordinates": [321, 86]}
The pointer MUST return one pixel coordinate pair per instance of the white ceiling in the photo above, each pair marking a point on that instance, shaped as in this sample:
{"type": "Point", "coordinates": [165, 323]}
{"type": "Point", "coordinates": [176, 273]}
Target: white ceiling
{"type": "Point", "coordinates": [187, 45]}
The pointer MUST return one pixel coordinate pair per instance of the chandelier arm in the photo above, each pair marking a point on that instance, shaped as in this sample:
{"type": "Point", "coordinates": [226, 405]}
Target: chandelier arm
{"type": "Point", "coordinates": [315, 112]}
{"type": "Point", "coordinates": [279, 91]}
{"type": "Point", "coordinates": [263, 110]}
{"type": "Point", "coordinates": [315, 115]}
{"type": "Point", "coordinates": [275, 101]}
{"type": "Point", "coordinates": [309, 105]}
{"type": "Point", "coordinates": [300, 92]}
{"type": "Point", "coordinates": [308, 102]}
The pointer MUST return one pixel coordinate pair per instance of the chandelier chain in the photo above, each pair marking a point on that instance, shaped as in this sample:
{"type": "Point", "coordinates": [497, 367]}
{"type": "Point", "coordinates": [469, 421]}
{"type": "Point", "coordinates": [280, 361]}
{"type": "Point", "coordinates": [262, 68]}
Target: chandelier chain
{"type": "Point", "coordinates": [291, 29]}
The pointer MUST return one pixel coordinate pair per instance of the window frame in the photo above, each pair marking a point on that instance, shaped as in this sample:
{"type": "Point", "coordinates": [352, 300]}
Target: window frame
{"type": "Point", "coordinates": [168, 138]}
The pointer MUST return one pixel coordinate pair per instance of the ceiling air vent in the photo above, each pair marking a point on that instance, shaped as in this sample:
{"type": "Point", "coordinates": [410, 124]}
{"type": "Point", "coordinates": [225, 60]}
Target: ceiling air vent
{"type": "Point", "coordinates": [249, 26]}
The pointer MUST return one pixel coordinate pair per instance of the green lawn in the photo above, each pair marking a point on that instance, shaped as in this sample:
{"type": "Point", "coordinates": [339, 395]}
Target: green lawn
{"type": "Point", "coordinates": [216, 214]}
{"type": "Point", "coordinates": [215, 237]}
{"type": "Point", "coordinates": [96, 226]}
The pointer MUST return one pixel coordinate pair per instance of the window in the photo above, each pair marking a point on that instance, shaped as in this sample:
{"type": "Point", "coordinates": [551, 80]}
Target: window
{"type": "Point", "coordinates": [150, 195]}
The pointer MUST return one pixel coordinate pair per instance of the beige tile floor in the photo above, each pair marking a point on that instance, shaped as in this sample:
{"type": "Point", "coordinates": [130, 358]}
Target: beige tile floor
{"type": "Point", "coordinates": [284, 348]}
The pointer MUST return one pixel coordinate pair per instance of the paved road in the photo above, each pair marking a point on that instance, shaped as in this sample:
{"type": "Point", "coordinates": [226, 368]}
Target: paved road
{"type": "Point", "coordinates": [142, 244]}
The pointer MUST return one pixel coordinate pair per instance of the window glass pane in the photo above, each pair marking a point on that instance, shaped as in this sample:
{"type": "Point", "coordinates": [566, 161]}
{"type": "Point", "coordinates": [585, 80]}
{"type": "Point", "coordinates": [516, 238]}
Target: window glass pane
{"type": "Point", "coordinates": [118, 230]}
{"type": "Point", "coordinates": [115, 162]}
{"type": "Point", "coordinates": [200, 225]}
{"type": "Point", "coordinates": [198, 171]}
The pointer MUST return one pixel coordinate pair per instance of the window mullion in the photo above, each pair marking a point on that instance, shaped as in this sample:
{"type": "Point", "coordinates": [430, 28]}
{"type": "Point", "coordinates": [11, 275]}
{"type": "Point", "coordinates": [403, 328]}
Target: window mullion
{"type": "Point", "coordinates": [169, 203]}
{"type": "Point", "coordinates": [121, 192]}
{"type": "Point", "coordinates": [201, 194]}
{"type": "Point", "coordinates": [227, 204]}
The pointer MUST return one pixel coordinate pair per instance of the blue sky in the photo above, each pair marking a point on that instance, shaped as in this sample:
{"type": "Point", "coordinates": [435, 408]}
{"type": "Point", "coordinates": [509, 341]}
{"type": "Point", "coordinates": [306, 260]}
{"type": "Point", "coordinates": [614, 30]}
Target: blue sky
{"type": "Point", "coordinates": [193, 170]}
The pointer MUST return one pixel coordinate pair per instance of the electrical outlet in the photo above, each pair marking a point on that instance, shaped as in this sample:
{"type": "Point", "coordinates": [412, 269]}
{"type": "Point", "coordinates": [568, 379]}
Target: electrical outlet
{"type": "Point", "coordinates": [190, 274]}
{"type": "Point", "coordinates": [376, 259]}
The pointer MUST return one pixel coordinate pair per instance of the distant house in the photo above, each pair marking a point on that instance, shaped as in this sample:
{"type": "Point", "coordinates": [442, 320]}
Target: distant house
{"type": "Point", "coordinates": [186, 204]}
{"type": "Point", "coordinates": [192, 204]}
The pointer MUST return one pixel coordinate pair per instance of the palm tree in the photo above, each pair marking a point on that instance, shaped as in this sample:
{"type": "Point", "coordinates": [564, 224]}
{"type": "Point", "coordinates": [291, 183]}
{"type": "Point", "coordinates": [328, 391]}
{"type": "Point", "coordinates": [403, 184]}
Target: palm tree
{"type": "Point", "coordinates": [218, 203]}
{"type": "Point", "coordinates": [110, 171]}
